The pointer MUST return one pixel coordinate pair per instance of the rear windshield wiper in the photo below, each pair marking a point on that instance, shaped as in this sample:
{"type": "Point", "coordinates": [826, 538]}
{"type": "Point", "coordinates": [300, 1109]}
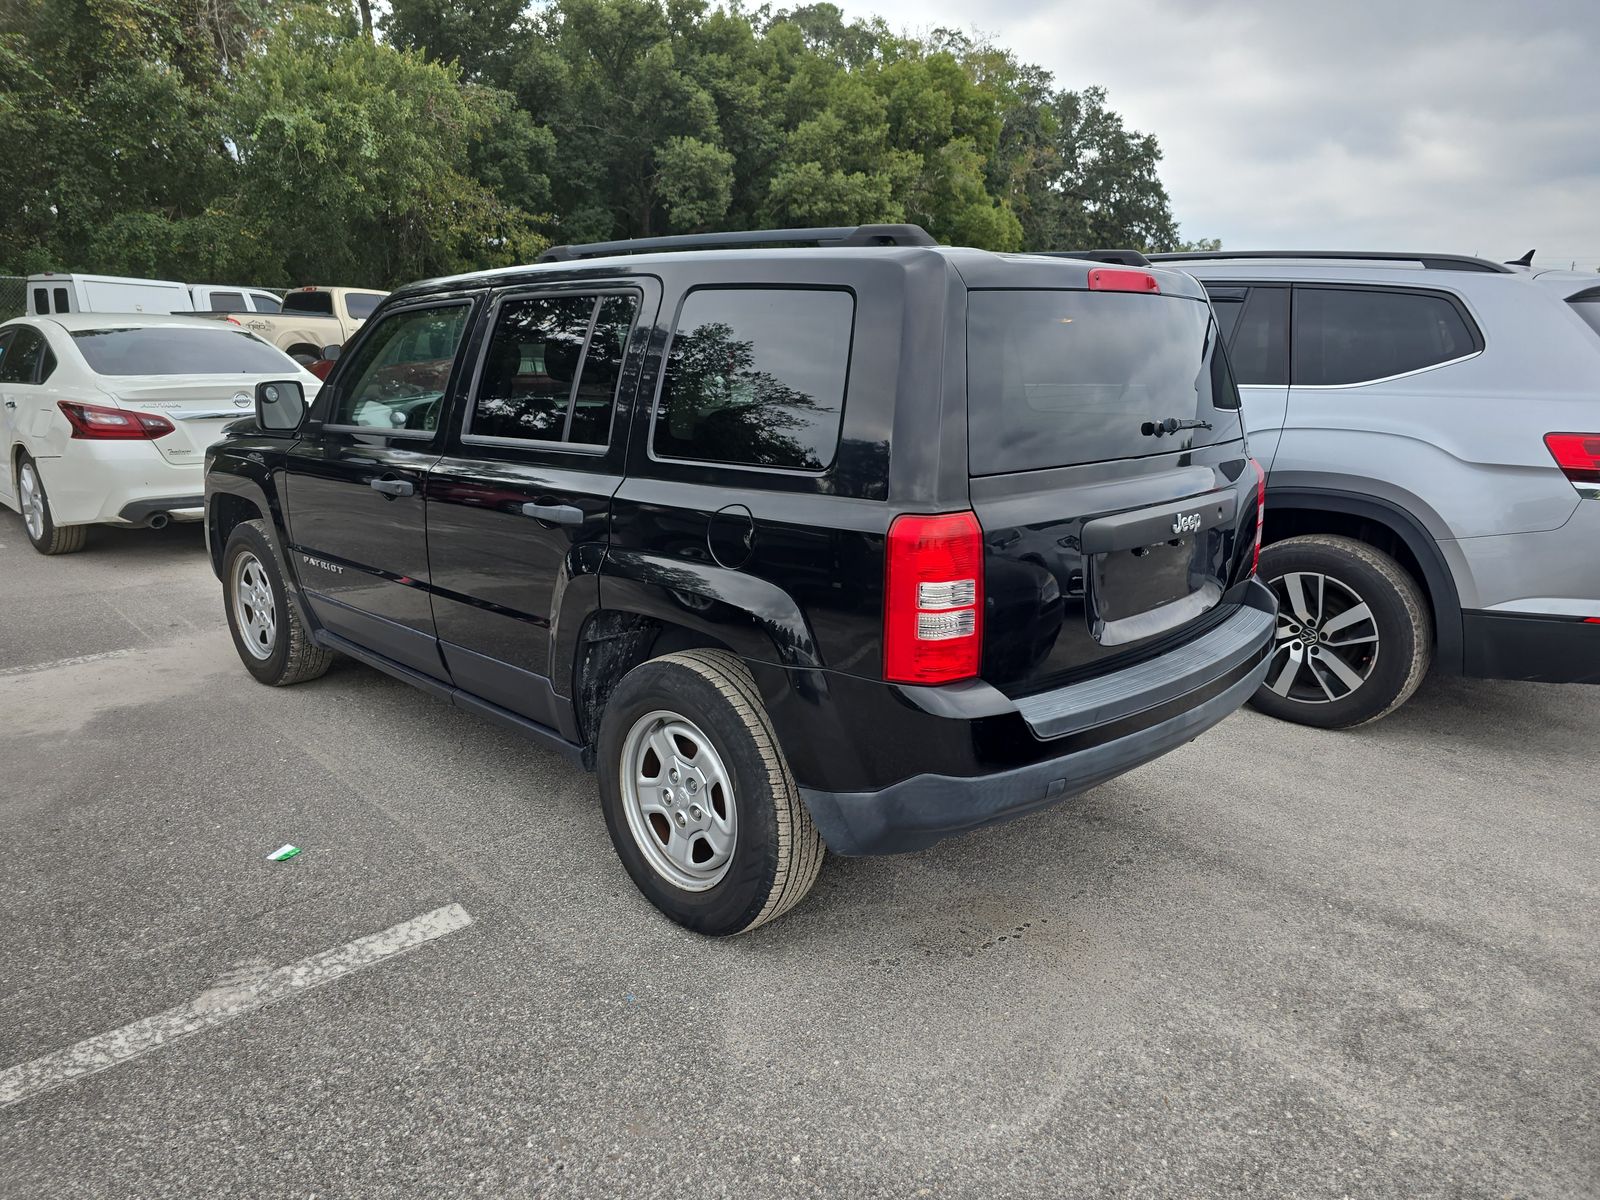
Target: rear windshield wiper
{"type": "Point", "coordinates": [1170, 425]}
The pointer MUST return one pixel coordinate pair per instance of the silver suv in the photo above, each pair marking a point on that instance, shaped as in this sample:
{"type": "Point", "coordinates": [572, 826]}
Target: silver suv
{"type": "Point", "coordinates": [1430, 426]}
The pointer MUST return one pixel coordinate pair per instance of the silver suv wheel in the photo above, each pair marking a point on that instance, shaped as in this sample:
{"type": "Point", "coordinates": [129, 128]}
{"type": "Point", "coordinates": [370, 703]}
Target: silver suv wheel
{"type": "Point", "coordinates": [678, 799]}
{"type": "Point", "coordinates": [1327, 642]}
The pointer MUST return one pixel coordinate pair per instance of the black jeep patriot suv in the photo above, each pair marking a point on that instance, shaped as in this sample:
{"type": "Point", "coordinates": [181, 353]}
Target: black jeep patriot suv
{"type": "Point", "coordinates": [858, 543]}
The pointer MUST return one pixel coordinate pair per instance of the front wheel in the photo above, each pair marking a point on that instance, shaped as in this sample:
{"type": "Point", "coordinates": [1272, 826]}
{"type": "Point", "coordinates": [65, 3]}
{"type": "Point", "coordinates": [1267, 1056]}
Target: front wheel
{"type": "Point", "coordinates": [699, 802]}
{"type": "Point", "coordinates": [1354, 634]}
{"type": "Point", "coordinates": [272, 643]}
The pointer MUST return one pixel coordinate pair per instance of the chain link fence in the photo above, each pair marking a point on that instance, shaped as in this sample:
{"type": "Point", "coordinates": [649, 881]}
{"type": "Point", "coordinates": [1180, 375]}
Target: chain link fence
{"type": "Point", "coordinates": [13, 296]}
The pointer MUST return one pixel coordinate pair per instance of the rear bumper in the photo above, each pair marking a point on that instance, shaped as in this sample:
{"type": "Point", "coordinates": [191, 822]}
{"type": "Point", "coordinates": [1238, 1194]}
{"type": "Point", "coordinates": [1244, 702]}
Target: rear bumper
{"type": "Point", "coordinates": [177, 508]}
{"type": "Point", "coordinates": [885, 769]}
{"type": "Point", "coordinates": [1541, 649]}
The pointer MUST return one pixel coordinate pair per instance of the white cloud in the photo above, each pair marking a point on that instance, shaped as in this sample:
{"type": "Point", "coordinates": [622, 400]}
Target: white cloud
{"type": "Point", "coordinates": [1463, 126]}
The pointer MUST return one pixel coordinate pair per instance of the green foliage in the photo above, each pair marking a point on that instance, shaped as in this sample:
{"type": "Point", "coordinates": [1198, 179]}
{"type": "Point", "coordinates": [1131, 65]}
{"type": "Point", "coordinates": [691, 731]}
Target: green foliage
{"type": "Point", "coordinates": [271, 141]}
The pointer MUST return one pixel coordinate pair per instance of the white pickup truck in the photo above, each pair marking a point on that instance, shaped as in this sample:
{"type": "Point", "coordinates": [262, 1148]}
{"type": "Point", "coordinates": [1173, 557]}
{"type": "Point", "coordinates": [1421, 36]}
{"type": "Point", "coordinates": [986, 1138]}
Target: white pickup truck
{"type": "Point", "coordinates": [50, 294]}
{"type": "Point", "coordinates": [312, 320]}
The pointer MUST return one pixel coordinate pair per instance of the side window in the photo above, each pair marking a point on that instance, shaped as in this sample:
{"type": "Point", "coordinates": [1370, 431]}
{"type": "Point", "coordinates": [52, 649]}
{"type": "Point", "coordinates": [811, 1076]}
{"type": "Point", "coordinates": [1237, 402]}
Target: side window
{"type": "Point", "coordinates": [265, 303]}
{"type": "Point", "coordinates": [21, 358]}
{"type": "Point", "coordinates": [541, 381]}
{"type": "Point", "coordinates": [1227, 303]}
{"type": "Point", "coordinates": [41, 300]}
{"type": "Point", "coordinates": [227, 301]}
{"type": "Point", "coordinates": [756, 376]}
{"type": "Point", "coordinates": [1354, 335]}
{"type": "Point", "coordinates": [361, 304]}
{"type": "Point", "coordinates": [400, 372]}
{"type": "Point", "coordinates": [1259, 344]}
{"type": "Point", "coordinates": [61, 300]}
{"type": "Point", "coordinates": [47, 364]}
{"type": "Point", "coordinates": [5, 348]}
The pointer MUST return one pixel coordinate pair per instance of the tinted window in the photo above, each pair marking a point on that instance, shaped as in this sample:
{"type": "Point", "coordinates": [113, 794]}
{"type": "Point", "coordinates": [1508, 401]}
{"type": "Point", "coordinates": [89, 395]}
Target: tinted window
{"type": "Point", "coordinates": [1056, 378]}
{"type": "Point", "coordinates": [1352, 335]}
{"type": "Point", "coordinates": [41, 300]}
{"type": "Point", "coordinates": [47, 365]}
{"type": "Point", "coordinates": [266, 304]}
{"type": "Point", "coordinates": [228, 301]}
{"type": "Point", "coordinates": [309, 302]}
{"type": "Point", "coordinates": [22, 358]}
{"type": "Point", "coordinates": [1227, 308]}
{"type": "Point", "coordinates": [399, 375]}
{"type": "Point", "coordinates": [1258, 347]}
{"type": "Point", "coordinates": [5, 348]}
{"type": "Point", "coordinates": [360, 304]}
{"type": "Point", "coordinates": [178, 350]}
{"type": "Point", "coordinates": [756, 376]}
{"type": "Point", "coordinates": [538, 381]}
{"type": "Point", "coordinates": [61, 300]}
{"type": "Point", "coordinates": [1588, 307]}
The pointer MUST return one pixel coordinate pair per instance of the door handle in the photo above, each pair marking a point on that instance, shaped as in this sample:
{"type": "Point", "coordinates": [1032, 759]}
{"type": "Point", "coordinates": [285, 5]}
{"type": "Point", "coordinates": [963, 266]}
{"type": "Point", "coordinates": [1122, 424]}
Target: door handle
{"type": "Point", "coordinates": [393, 487]}
{"type": "Point", "coordinates": [556, 514]}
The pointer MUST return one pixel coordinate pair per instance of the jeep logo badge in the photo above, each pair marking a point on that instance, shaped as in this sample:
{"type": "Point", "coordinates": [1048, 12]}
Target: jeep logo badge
{"type": "Point", "coordinates": [1186, 523]}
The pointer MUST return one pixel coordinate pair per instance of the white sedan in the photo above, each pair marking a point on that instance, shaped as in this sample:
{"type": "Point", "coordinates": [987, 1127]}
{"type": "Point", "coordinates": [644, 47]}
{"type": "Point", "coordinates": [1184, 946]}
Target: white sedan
{"type": "Point", "coordinates": [105, 417]}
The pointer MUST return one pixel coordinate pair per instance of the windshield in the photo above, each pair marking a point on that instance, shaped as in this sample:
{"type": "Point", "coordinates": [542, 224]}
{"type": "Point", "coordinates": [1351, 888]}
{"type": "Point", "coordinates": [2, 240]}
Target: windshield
{"type": "Point", "coordinates": [1058, 378]}
{"type": "Point", "coordinates": [180, 350]}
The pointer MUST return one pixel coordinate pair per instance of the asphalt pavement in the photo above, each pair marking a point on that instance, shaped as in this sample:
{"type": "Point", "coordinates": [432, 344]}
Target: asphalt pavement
{"type": "Point", "coordinates": [1277, 963]}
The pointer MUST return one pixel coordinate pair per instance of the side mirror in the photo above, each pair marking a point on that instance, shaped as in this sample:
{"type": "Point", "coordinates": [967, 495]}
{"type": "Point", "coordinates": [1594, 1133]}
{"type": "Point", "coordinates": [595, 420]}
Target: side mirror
{"type": "Point", "coordinates": [331, 353]}
{"type": "Point", "coordinates": [280, 406]}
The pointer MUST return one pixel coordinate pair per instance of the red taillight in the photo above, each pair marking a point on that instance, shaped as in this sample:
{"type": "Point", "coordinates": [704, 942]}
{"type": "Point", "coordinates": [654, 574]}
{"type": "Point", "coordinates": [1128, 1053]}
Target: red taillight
{"type": "Point", "coordinates": [1115, 279]}
{"type": "Point", "coordinates": [102, 424]}
{"type": "Point", "coordinates": [1578, 456]}
{"type": "Point", "coordinates": [933, 599]}
{"type": "Point", "coordinates": [1261, 512]}
{"type": "Point", "coordinates": [321, 368]}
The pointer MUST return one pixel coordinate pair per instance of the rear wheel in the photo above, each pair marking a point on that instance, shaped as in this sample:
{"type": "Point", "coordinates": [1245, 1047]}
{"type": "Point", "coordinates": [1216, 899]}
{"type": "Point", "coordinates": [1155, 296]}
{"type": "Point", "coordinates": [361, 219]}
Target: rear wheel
{"type": "Point", "coordinates": [698, 799]}
{"type": "Point", "coordinates": [272, 643]}
{"type": "Point", "coordinates": [45, 535]}
{"type": "Point", "coordinates": [1354, 635]}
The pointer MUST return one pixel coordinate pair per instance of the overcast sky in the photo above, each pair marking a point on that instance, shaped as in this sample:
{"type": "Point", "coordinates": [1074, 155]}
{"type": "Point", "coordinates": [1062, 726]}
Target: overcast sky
{"type": "Point", "coordinates": [1468, 126]}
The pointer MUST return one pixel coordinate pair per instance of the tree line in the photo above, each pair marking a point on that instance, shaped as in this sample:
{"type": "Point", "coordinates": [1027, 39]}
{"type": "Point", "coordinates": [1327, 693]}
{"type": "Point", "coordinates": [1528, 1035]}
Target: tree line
{"type": "Point", "coordinates": [282, 142]}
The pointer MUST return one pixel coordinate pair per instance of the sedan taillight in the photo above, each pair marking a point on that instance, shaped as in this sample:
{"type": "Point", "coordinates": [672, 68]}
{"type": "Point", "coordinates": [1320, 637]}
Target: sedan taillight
{"type": "Point", "coordinates": [99, 423]}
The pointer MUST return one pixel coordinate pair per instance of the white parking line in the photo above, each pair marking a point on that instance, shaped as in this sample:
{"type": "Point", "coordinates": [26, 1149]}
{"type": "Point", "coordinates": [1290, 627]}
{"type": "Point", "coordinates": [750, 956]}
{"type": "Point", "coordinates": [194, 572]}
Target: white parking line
{"type": "Point", "coordinates": [223, 1003]}
{"type": "Point", "coordinates": [30, 668]}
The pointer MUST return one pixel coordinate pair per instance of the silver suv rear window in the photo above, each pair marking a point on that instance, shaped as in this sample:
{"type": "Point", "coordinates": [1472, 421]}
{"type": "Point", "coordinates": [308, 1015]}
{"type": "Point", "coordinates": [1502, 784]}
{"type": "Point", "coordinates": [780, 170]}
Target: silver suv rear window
{"type": "Point", "coordinates": [1059, 378]}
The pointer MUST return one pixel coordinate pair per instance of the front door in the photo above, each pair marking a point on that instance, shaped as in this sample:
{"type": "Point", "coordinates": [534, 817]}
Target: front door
{"type": "Point", "coordinates": [355, 483]}
{"type": "Point", "coordinates": [519, 507]}
{"type": "Point", "coordinates": [25, 363]}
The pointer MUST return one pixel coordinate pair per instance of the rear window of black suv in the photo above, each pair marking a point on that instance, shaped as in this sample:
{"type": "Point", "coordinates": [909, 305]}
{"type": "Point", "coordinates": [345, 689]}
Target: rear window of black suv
{"type": "Point", "coordinates": [756, 377]}
{"type": "Point", "coordinates": [1061, 378]}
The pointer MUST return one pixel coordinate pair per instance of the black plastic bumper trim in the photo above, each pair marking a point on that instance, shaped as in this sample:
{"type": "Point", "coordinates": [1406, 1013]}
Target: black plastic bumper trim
{"type": "Point", "coordinates": [1532, 648]}
{"type": "Point", "coordinates": [922, 810]}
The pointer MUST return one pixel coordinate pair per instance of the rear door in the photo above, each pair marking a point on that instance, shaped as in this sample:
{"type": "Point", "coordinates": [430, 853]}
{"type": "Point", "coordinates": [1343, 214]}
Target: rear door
{"type": "Point", "coordinates": [1110, 476]}
{"type": "Point", "coordinates": [519, 508]}
{"type": "Point", "coordinates": [1254, 320]}
{"type": "Point", "coordinates": [354, 483]}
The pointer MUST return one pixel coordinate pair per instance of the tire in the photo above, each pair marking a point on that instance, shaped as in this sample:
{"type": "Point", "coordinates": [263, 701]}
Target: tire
{"type": "Point", "coordinates": [272, 643]}
{"type": "Point", "coordinates": [44, 535]}
{"type": "Point", "coordinates": [762, 851]}
{"type": "Point", "coordinates": [1368, 641]}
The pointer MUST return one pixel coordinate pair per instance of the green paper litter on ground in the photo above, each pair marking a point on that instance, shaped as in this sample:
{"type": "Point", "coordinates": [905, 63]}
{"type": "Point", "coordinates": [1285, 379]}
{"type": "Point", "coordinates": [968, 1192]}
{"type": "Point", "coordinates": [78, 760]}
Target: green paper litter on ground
{"type": "Point", "coordinates": [283, 852]}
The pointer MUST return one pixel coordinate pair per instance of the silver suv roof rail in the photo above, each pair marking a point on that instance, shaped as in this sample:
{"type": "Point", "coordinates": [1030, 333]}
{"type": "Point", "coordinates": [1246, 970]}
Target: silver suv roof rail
{"type": "Point", "coordinates": [839, 235]}
{"type": "Point", "coordinates": [1430, 262]}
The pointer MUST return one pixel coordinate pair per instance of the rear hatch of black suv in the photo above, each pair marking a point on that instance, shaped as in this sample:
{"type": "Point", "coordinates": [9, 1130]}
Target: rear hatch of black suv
{"type": "Point", "coordinates": [1108, 473]}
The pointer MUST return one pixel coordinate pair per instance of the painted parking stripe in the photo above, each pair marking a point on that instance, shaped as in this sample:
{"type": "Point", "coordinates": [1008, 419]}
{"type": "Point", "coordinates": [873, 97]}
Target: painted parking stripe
{"type": "Point", "coordinates": [224, 1003]}
{"type": "Point", "coordinates": [30, 668]}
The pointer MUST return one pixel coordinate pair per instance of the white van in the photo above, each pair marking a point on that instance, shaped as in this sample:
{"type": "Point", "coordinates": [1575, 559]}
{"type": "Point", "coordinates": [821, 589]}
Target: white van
{"type": "Point", "coordinates": [50, 294]}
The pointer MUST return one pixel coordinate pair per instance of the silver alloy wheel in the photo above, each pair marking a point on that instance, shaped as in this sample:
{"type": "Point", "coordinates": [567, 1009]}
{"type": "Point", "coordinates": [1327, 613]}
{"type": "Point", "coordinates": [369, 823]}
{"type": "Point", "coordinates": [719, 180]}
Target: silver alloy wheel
{"type": "Point", "coordinates": [254, 610]}
{"type": "Point", "coordinates": [1327, 639]}
{"type": "Point", "coordinates": [32, 501]}
{"type": "Point", "coordinates": [678, 798]}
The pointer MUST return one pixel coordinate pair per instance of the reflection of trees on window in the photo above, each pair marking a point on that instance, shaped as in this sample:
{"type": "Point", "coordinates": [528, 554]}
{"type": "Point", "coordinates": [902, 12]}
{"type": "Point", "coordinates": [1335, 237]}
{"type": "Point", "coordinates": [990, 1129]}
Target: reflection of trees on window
{"type": "Point", "coordinates": [759, 379]}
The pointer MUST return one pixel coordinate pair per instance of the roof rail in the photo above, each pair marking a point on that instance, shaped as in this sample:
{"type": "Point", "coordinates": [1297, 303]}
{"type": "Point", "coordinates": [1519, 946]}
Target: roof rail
{"type": "Point", "coordinates": [839, 235]}
{"type": "Point", "coordinates": [1124, 258]}
{"type": "Point", "coordinates": [1431, 262]}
